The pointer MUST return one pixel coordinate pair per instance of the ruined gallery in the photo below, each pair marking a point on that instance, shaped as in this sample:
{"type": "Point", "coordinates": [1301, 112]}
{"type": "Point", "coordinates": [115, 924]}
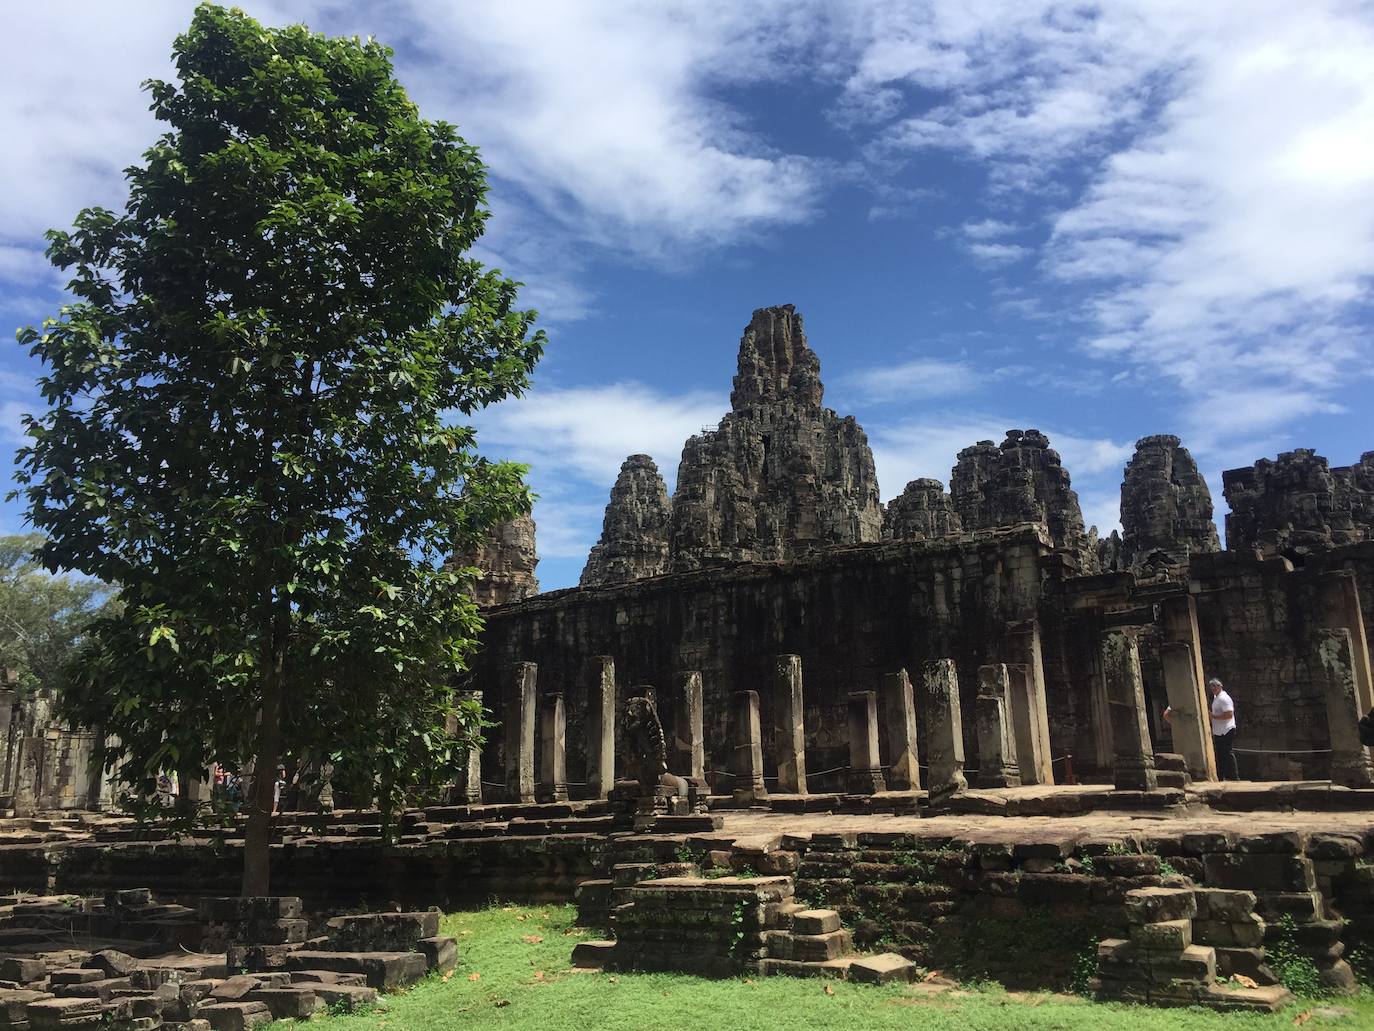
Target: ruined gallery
{"type": "Point", "coordinates": [783, 728]}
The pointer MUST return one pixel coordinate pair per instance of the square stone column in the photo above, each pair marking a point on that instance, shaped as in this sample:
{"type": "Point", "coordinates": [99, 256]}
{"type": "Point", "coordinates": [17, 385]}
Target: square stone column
{"type": "Point", "coordinates": [468, 788]}
{"type": "Point", "coordinates": [600, 680]}
{"type": "Point", "coordinates": [789, 729]}
{"type": "Point", "coordinates": [1190, 725]}
{"type": "Point", "coordinates": [997, 766]}
{"type": "Point", "coordinates": [1178, 619]}
{"type": "Point", "coordinates": [553, 749]}
{"type": "Point", "coordinates": [521, 678]}
{"type": "Point", "coordinates": [688, 753]}
{"type": "Point", "coordinates": [1029, 706]}
{"type": "Point", "coordinates": [747, 764]}
{"type": "Point", "coordinates": [1340, 601]}
{"type": "Point", "coordinates": [899, 732]}
{"type": "Point", "coordinates": [1133, 758]}
{"type": "Point", "coordinates": [1031, 759]}
{"type": "Point", "coordinates": [944, 727]}
{"type": "Point", "coordinates": [865, 768]}
{"type": "Point", "coordinates": [1350, 761]}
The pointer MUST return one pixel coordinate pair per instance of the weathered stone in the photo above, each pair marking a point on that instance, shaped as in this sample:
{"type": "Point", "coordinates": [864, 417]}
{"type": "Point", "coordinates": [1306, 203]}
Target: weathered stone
{"type": "Point", "coordinates": [382, 969]}
{"type": "Point", "coordinates": [1351, 764]}
{"type": "Point", "coordinates": [1166, 508]}
{"type": "Point", "coordinates": [899, 732]}
{"type": "Point", "coordinates": [1132, 754]}
{"type": "Point", "coordinates": [865, 775]}
{"type": "Point", "coordinates": [506, 561]}
{"type": "Point", "coordinates": [997, 766]}
{"type": "Point", "coordinates": [944, 728]}
{"type": "Point", "coordinates": [789, 730]}
{"type": "Point", "coordinates": [646, 752]}
{"type": "Point", "coordinates": [689, 735]}
{"type": "Point", "coordinates": [1030, 710]}
{"type": "Point", "coordinates": [521, 685]}
{"type": "Point", "coordinates": [921, 512]}
{"type": "Point", "coordinates": [1021, 482]}
{"type": "Point", "coordinates": [747, 765]}
{"type": "Point", "coordinates": [601, 705]}
{"type": "Point", "coordinates": [1298, 504]}
{"type": "Point", "coordinates": [780, 476]}
{"type": "Point", "coordinates": [553, 750]}
{"type": "Point", "coordinates": [635, 531]}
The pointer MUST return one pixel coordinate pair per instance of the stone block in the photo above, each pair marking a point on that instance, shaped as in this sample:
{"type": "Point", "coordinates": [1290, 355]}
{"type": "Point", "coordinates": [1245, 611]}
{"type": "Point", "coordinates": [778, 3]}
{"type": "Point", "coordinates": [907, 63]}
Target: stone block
{"type": "Point", "coordinates": [1262, 872]}
{"type": "Point", "coordinates": [242, 910]}
{"type": "Point", "coordinates": [1224, 903]}
{"type": "Point", "coordinates": [258, 957]}
{"type": "Point", "coordinates": [346, 996]}
{"type": "Point", "coordinates": [383, 970]}
{"type": "Point", "coordinates": [236, 1016]}
{"type": "Point", "coordinates": [293, 1003]}
{"type": "Point", "coordinates": [314, 977]}
{"type": "Point", "coordinates": [883, 968]}
{"type": "Point", "coordinates": [382, 932]}
{"type": "Point", "coordinates": [75, 975]}
{"type": "Point", "coordinates": [22, 969]}
{"type": "Point", "coordinates": [592, 955]}
{"type": "Point", "coordinates": [1196, 963]}
{"type": "Point", "coordinates": [1163, 936]}
{"type": "Point", "coordinates": [63, 1013]}
{"type": "Point", "coordinates": [1151, 905]}
{"type": "Point", "coordinates": [815, 921]}
{"type": "Point", "coordinates": [441, 954]}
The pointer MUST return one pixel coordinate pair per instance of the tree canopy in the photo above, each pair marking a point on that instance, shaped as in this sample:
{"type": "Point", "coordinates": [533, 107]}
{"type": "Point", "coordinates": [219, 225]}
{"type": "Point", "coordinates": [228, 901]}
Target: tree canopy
{"type": "Point", "coordinates": [250, 415]}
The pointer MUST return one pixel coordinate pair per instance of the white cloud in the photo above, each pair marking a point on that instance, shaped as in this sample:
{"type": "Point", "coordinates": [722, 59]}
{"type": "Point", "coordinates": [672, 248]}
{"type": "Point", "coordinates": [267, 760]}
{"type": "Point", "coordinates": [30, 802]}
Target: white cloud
{"type": "Point", "coordinates": [998, 253]}
{"type": "Point", "coordinates": [575, 438]}
{"type": "Point", "coordinates": [928, 446]}
{"type": "Point", "coordinates": [988, 229]}
{"type": "Point", "coordinates": [919, 379]}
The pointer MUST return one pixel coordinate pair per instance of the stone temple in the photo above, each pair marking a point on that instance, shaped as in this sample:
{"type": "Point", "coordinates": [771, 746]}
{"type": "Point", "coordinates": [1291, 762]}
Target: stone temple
{"type": "Point", "coordinates": [781, 728]}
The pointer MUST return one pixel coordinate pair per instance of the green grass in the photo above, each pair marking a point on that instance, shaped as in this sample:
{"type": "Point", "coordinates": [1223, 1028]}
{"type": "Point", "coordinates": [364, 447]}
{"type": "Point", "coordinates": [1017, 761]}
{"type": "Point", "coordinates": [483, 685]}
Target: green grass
{"type": "Point", "coordinates": [509, 980]}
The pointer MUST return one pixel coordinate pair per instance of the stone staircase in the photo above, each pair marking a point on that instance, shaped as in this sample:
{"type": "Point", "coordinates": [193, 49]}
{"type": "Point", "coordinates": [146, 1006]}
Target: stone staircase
{"type": "Point", "coordinates": [730, 926]}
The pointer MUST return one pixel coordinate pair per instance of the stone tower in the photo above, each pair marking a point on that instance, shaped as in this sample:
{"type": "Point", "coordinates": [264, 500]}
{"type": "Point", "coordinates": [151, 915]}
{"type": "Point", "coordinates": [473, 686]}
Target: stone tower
{"type": "Point", "coordinates": [1299, 504]}
{"type": "Point", "coordinates": [1022, 481]}
{"type": "Point", "coordinates": [507, 559]}
{"type": "Point", "coordinates": [1166, 508]}
{"type": "Point", "coordinates": [781, 476]}
{"type": "Point", "coordinates": [634, 533]}
{"type": "Point", "coordinates": [921, 512]}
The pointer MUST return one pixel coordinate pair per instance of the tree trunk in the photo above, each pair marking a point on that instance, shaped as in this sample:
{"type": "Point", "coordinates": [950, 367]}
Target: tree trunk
{"type": "Point", "coordinates": [257, 872]}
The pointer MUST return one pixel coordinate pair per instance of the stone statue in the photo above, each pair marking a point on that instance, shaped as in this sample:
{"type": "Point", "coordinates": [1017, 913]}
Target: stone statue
{"type": "Point", "coordinates": [646, 752]}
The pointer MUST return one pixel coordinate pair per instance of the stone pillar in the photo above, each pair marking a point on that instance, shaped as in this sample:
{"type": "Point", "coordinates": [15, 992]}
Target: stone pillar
{"type": "Point", "coordinates": [1350, 761]}
{"type": "Point", "coordinates": [1031, 758]}
{"type": "Point", "coordinates": [747, 764]}
{"type": "Point", "coordinates": [865, 768]}
{"type": "Point", "coordinates": [521, 678]}
{"type": "Point", "coordinates": [1178, 617]}
{"type": "Point", "coordinates": [600, 679]}
{"type": "Point", "coordinates": [944, 727]}
{"type": "Point", "coordinates": [1190, 724]}
{"type": "Point", "coordinates": [553, 749]}
{"type": "Point", "coordinates": [467, 789]}
{"type": "Point", "coordinates": [689, 737]}
{"type": "Point", "coordinates": [899, 732]}
{"type": "Point", "coordinates": [996, 747]}
{"type": "Point", "coordinates": [789, 730]}
{"type": "Point", "coordinates": [1029, 706]}
{"type": "Point", "coordinates": [1340, 602]}
{"type": "Point", "coordinates": [1133, 759]}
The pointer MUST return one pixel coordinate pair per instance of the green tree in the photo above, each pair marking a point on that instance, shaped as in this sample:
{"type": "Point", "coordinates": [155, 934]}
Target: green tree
{"type": "Point", "coordinates": [249, 400]}
{"type": "Point", "coordinates": [42, 617]}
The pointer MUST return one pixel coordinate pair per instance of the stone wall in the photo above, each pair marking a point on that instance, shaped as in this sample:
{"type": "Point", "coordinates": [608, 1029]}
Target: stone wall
{"type": "Point", "coordinates": [852, 614]}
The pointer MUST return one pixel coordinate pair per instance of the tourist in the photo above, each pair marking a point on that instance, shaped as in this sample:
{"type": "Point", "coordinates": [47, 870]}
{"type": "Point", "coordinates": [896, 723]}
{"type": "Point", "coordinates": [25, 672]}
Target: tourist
{"type": "Point", "coordinates": [1224, 730]}
{"type": "Point", "coordinates": [277, 789]}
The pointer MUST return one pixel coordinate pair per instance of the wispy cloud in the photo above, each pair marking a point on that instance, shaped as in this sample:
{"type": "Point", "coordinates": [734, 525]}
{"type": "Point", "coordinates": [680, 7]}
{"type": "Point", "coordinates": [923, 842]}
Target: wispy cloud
{"type": "Point", "coordinates": [918, 379]}
{"type": "Point", "coordinates": [574, 440]}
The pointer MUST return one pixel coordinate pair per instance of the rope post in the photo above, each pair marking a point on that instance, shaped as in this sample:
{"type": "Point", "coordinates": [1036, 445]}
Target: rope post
{"type": "Point", "coordinates": [1068, 769]}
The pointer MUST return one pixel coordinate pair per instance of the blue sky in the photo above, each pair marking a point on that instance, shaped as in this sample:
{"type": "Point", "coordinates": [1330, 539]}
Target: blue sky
{"type": "Point", "coordinates": [1104, 221]}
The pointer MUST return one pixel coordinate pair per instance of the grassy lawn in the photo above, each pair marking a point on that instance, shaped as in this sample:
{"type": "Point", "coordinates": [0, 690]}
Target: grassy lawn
{"type": "Point", "coordinates": [514, 974]}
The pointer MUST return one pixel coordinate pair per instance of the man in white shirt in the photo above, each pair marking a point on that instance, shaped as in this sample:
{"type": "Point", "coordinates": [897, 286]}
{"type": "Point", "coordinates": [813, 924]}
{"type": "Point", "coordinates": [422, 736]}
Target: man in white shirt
{"type": "Point", "coordinates": [1223, 731]}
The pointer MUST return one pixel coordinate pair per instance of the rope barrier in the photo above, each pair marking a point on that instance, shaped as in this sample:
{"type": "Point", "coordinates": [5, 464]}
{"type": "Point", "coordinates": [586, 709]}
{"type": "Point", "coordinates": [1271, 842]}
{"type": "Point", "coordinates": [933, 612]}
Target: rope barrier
{"type": "Point", "coordinates": [1283, 751]}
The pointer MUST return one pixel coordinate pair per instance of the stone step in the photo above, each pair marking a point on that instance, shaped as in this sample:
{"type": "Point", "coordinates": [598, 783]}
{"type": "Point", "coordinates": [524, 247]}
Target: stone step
{"type": "Point", "coordinates": [815, 921]}
{"type": "Point", "coordinates": [382, 969]}
{"type": "Point", "coordinates": [808, 948]}
{"type": "Point", "coordinates": [836, 968]}
{"type": "Point", "coordinates": [883, 968]}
